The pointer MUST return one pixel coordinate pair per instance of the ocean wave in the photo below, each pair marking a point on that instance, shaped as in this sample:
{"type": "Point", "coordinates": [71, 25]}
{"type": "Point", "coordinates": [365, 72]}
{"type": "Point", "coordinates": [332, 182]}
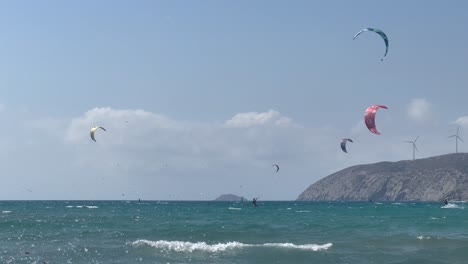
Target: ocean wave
{"type": "Point", "coordinates": [81, 206]}
{"type": "Point", "coordinates": [234, 208]}
{"type": "Point", "coordinates": [182, 246]}
{"type": "Point", "coordinates": [6, 212]}
{"type": "Point", "coordinates": [423, 237]}
{"type": "Point", "coordinates": [451, 205]}
{"type": "Point", "coordinates": [303, 211]}
{"type": "Point", "coordinates": [313, 247]}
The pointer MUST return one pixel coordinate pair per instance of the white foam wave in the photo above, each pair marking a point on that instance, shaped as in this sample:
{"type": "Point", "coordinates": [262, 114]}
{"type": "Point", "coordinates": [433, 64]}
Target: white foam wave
{"type": "Point", "coordinates": [6, 212]}
{"type": "Point", "coordinates": [81, 206]}
{"type": "Point", "coordinates": [313, 247]}
{"type": "Point", "coordinates": [423, 237]}
{"type": "Point", "coordinates": [303, 211]}
{"type": "Point", "coordinates": [234, 208]}
{"type": "Point", "coordinates": [451, 205]}
{"type": "Point", "coordinates": [182, 246]}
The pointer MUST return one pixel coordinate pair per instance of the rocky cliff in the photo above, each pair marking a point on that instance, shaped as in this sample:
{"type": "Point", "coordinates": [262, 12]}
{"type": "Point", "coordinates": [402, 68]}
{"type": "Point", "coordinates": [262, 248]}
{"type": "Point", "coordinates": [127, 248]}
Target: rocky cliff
{"type": "Point", "coordinates": [429, 179]}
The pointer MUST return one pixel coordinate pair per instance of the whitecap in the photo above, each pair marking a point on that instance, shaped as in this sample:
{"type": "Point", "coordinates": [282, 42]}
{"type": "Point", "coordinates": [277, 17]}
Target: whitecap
{"type": "Point", "coordinates": [234, 208]}
{"type": "Point", "coordinates": [303, 211]}
{"type": "Point", "coordinates": [423, 237]}
{"type": "Point", "coordinates": [451, 205]}
{"type": "Point", "coordinates": [313, 247]}
{"type": "Point", "coordinates": [91, 206]}
{"type": "Point", "coordinates": [182, 246]}
{"type": "Point", "coordinates": [6, 212]}
{"type": "Point", "coordinates": [69, 206]}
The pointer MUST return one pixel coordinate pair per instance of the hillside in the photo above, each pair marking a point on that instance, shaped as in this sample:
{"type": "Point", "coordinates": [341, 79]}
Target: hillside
{"type": "Point", "coordinates": [230, 198]}
{"type": "Point", "coordinates": [429, 179]}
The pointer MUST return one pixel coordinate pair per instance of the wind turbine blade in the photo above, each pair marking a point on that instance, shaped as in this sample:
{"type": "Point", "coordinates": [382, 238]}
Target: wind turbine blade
{"type": "Point", "coordinates": [452, 136]}
{"type": "Point", "coordinates": [415, 147]}
{"type": "Point", "coordinates": [460, 138]}
{"type": "Point", "coordinates": [458, 128]}
{"type": "Point", "coordinates": [416, 139]}
{"type": "Point", "coordinates": [408, 141]}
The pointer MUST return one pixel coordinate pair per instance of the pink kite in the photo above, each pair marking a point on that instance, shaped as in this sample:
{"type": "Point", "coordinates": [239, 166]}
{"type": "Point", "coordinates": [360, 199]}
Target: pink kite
{"type": "Point", "coordinates": [369, 117]}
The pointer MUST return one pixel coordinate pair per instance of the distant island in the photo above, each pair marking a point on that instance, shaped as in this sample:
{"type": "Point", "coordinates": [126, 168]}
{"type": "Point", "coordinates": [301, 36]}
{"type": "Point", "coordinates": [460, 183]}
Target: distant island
{"type": "Point", "coordinates": [230, 198]}
{"type": "Point", "coordinates": [430, 179]}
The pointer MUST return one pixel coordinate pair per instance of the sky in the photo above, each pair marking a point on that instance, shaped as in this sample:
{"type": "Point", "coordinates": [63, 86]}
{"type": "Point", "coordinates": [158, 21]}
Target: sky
{"type": "Point", "coordinates": [201, 98]}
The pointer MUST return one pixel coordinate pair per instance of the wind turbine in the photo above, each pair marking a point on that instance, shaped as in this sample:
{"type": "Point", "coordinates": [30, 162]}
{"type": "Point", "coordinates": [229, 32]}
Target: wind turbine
{"type": "Point", "coordinates": [414, 146]}
{"type": "Point", "coordinates": [456, 139]}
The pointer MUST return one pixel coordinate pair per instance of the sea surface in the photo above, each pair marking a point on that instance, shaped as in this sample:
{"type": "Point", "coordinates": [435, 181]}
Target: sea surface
{"type": "Point", "coordinates": [225, 232]}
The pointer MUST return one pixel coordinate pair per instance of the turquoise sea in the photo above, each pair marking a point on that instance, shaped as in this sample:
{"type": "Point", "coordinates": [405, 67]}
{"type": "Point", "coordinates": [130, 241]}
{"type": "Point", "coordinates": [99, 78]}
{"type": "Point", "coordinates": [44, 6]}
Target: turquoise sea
{"type": "Point", "coordinates": [225, 232]}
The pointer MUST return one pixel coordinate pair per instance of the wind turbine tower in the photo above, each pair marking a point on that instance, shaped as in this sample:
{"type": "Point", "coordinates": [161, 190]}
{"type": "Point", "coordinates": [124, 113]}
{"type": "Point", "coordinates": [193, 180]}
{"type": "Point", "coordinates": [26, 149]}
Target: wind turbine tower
{"type": "Point", "coordinates": [414, 146]}
{"type": "Point", "coordinates": [456, 139]}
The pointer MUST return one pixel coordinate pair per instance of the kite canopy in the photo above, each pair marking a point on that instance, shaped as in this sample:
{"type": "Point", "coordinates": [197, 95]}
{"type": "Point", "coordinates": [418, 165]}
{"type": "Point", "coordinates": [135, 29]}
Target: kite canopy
{"type": "Point", "coordinates": [343, 144]}
{"type": "Point", "coordinates": [94, 130]}
{"type": "Point", "coordinates": [277, 167]}
{"type": "Point", "coordinates": [381, 33]}
{"type": "Point", "coordinates": [369, 117]}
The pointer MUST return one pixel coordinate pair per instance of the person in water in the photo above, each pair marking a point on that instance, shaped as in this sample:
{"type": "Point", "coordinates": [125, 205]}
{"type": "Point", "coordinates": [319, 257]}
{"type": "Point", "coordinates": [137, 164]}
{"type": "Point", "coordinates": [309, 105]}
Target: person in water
{"type": "Point", "coordinates": [446, 202]}
{"type": "Point", "coordinates": [254, 201]}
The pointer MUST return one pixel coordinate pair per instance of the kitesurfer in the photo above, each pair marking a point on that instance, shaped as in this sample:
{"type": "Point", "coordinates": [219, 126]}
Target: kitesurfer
{"type": "Point", "coordinates": [445, 202]}
{"type": "Point", "coordinates": [369, 117]}
{"type": "Point", "coordinates": [254, 202]}
{"type": "Point", "coordinates": [343, 144]}
{"type": "Point", "coordinates": [277, 167]}
{"type": "Point", "coordinates": [381, 33]}
{"type": "Point", "coordinates": [93, 130]}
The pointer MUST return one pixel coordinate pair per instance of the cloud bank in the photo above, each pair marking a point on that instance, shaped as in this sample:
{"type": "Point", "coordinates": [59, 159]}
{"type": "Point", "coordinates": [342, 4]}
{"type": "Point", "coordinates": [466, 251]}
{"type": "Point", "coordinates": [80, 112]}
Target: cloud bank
{"type": "Point", "coordinates": [420, 110]}
{"type": "Point", "coordinates": [153, 156]}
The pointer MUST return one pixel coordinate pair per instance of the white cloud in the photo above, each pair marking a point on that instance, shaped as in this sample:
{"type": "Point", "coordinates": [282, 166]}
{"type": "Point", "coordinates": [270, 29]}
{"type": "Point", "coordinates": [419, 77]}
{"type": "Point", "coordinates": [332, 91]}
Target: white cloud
{"type": "Point", "coordinates": [159, 156]}
{"type": "Point", "coordinates": [250, 119]}
{"type": "Point", "coordinates": [462, 121]}
{"type": "Point", "coordinates": [420, 110]}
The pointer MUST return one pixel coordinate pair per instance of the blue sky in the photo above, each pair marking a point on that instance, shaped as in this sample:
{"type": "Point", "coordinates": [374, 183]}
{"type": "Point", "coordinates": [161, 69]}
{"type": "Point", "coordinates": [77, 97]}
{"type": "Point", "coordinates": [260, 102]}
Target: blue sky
{"type": "Point", "coordinates": [215, 92]}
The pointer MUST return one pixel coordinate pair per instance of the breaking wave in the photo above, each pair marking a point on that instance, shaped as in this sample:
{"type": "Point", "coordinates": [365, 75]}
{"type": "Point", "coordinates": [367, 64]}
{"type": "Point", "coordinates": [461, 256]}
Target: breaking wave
{"type": "Point", "coordinates": [81, 206]}
{"type": "Point", "coordinates": [423, 237]}
{"type": "Point", "coordinates": [181, 246]}
{"type": "Point", "coordinates": [451, 205]}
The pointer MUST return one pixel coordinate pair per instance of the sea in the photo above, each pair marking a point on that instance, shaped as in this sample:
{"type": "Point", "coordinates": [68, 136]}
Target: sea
{"type": "Point", "coordinates": [232, 232]}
